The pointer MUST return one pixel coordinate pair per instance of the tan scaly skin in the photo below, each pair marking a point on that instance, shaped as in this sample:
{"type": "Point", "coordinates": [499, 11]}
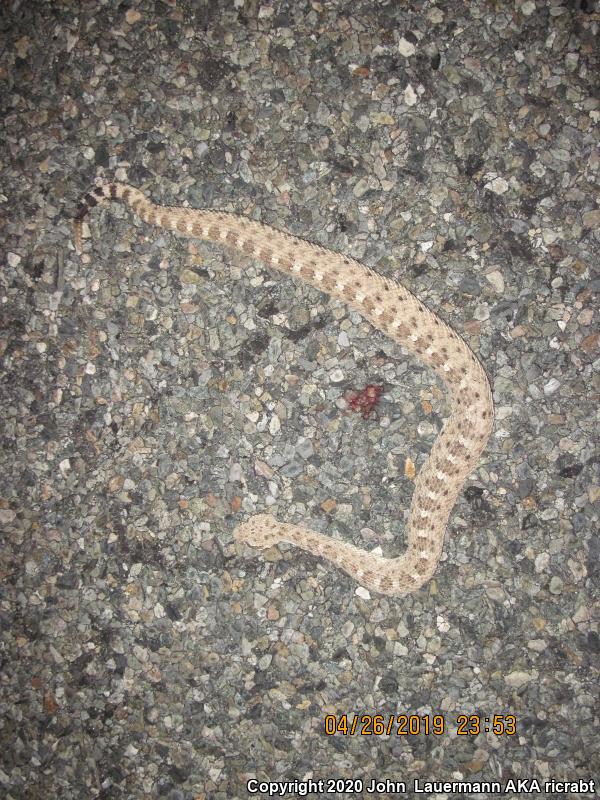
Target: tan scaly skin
{"type": "Point", "coordinates": [397, 313]}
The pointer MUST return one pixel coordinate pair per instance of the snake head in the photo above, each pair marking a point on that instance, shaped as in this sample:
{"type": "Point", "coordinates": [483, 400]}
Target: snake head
{"type": "Point", "coordinates": [262, 530]}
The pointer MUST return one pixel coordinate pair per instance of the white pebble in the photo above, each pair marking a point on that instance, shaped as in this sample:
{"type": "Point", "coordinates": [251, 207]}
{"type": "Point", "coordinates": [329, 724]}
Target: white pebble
{"type": "Point", "coordinates": [406, 48]}
{"type": "Point", "coordinates": [410, 96]}
{"type": "Point", "coordinates": [496, 279]}
{"type": "Point", "coordinates": [497, 185]}
{"type": "Point", "coordinates": [482, 312]}
{"type": "Point", "coordinates": [235, 472]}
{"type": "Point", "coordinates": [6, 516]}
{"type": "Point", "coordinates": [518, 678]}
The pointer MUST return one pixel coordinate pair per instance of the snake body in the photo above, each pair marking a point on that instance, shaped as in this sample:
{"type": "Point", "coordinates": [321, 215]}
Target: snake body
{"type": "Point", "coordinates": [396, 312]}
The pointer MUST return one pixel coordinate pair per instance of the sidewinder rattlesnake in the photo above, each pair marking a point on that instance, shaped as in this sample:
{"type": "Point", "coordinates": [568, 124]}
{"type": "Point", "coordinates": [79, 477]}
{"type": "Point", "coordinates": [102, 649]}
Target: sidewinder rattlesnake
{"type": "Point", "coordinates": [392, 309]}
